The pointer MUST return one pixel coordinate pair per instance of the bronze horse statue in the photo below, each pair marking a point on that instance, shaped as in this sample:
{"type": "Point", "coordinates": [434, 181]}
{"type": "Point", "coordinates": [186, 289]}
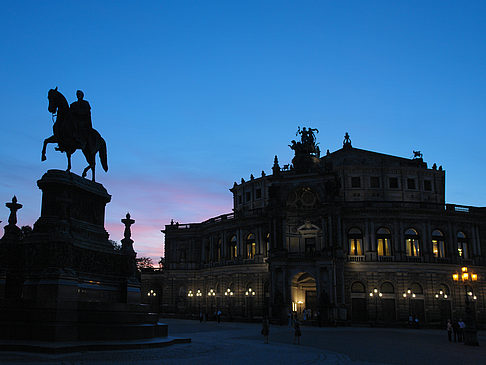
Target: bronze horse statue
{"type": "Point", "coordinates": [68, 137]}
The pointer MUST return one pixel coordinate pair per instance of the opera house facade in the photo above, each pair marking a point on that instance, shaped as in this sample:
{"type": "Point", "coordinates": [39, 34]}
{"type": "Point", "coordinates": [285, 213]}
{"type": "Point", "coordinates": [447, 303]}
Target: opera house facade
{"type": "Point", "coordinates": [350, 236]}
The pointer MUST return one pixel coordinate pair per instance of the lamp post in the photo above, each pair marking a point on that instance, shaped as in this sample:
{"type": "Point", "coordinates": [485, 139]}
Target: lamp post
{"type": "Point", "coordinates": [376, 294]}
{"type": "Point", "coordinates": [442, 297]}
{"type": "Point", "coordinates": [466, 277]}
{"type": "Point", "coordinates": [152, 294]}
{"type": "Point", "coordinates": [211, 294]}
{"type": "Point", "coordinates": [198, 298]}
{"type": "Point", "coordinates": [228, 295]}
{"type": "Point", "coordinates": [299, 308]}
{"type": "Point", "coordinates": [249, 294]}
{"type": "Point", "coordinates": [190, 296]}
{"type": "Point", "coordinates": [409, 294]}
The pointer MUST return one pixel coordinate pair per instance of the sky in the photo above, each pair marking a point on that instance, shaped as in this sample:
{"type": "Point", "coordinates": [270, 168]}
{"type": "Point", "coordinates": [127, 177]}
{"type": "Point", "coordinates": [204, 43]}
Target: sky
{"type": "Point", "coordinates": [191, 96]}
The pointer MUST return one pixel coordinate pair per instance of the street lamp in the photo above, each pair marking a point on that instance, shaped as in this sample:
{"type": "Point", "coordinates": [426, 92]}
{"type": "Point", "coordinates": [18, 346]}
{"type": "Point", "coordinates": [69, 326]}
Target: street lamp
{"type": "Point", "coordinates": [376, 294]}
{"type": "Point", "coordinates": [409, 294]}
{"type": "Point", "coordinates": [299, 303]}
{"type": "Point", "coordinates": [466, 277]}
{"type": "Point", "coordinates": [228, 295]}
{"type": "Point", "coordinates": [250, 293]}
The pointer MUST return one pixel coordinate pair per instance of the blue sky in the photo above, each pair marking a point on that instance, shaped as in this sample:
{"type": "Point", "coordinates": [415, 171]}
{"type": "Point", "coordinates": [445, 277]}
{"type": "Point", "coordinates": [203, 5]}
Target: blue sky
{"type": "Point", "coordinates": [191, 96]}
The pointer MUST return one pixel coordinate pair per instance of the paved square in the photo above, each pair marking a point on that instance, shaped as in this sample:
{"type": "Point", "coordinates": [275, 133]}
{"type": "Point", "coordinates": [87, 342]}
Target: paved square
{"type": "Point", "coordinates": [242, 343]}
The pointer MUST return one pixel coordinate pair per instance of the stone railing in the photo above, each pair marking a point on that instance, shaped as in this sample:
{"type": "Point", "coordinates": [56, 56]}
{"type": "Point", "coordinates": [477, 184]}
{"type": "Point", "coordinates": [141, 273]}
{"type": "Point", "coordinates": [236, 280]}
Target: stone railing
{"type": "Point", "coordinates": [356, 258]}
{"type": "Point", "coordinates": [414, 259]}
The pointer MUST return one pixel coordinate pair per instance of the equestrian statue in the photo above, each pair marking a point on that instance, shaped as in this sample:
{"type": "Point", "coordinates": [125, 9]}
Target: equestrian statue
{"type": "Point", "coordinates": [73, 130]}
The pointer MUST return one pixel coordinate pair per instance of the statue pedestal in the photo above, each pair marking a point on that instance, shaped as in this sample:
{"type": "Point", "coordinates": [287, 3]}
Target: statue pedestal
{"type": "Point", "coordinates": [65, 281]}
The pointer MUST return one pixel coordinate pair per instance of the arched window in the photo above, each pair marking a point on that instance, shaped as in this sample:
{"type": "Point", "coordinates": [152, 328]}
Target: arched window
{"type": "Point", "coordinates": [462, 245]}
{"type": "Point", "coordinates": [357, 287]}
{"type": "Point", "coordinates": [383, 242]}
{"type": "Point", "coordinates": [355, 238]}
{"type": "Point", "coordinates": [233, 249]}
{"type": "Point", "coordinates": [267, 244]}
{"type": "Point", "coordinates": [438, 243]}
{"type": "Point", "coordinates": [250, 246]}
{"type": "Point", "coordinates": [387, 288]}
{"type": "Point", "coordinates": [218, 250]}
{"type": "Point", "coordinates": [412, 242]}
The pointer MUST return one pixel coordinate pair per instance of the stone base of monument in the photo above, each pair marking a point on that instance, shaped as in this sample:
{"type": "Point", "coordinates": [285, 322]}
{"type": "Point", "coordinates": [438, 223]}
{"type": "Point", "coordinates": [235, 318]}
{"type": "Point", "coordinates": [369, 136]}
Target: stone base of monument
{"type": "Point", "coordinates": [65, 282]}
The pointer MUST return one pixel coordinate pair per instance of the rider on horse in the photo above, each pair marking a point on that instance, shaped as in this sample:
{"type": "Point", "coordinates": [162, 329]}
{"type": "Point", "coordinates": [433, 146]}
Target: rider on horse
{"type": "Point", "coordinates": [81, 114]}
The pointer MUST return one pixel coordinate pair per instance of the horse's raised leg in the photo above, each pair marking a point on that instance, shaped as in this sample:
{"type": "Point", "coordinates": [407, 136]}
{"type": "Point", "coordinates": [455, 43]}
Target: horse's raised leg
{"type": "Point", "coordinates": [86, 170]}
{"type": "Point", "coordinates": [69, 161]}
{"type": "Point", "coordinates": [51, 139]}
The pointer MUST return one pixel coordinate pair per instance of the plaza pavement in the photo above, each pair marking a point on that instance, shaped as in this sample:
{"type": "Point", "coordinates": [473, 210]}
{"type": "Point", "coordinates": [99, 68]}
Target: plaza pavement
{"type": "Point", "coordinates": [242, 343]}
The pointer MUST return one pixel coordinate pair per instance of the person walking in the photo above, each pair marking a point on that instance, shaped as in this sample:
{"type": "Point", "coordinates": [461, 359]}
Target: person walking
{"type": "Point", "coordinates": [449, 330]}
{"type": "Point", "coordinates": [265, 329]}
{"type": "Point", "coordinates": [297, 332]}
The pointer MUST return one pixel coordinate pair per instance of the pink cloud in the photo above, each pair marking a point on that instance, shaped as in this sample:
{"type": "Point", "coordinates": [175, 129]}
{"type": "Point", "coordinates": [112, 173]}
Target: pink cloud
{"type": "Point", "coordinates": [153, 202]}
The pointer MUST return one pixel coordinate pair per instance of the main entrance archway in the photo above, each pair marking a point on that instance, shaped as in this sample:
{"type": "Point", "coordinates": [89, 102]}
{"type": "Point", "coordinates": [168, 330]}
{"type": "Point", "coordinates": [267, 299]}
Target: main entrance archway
{"type": "Point", "coordinates": [304, 295]}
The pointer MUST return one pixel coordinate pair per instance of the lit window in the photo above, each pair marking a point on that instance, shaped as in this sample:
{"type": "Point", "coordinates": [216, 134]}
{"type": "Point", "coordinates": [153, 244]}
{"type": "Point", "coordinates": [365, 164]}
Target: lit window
{"type": "Point", "coordinates": [218, 250]}
{"type": "Point", "coordinates": [383, 238]}
{"type": "Point", "coordinates": [412, 242]}
{"type": "Point", "coordinates": [462, 245]}
{"type": "Point", "coordinates": [250, 246]}
{"type": "Point", "coordinates": [355, 238]}
{"type": "Point", "coordinates": [233, 250]}
{"type": "Point", "coordinates": [267, 243]}
{"type": "Point", "coordinates": [438, 248]}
